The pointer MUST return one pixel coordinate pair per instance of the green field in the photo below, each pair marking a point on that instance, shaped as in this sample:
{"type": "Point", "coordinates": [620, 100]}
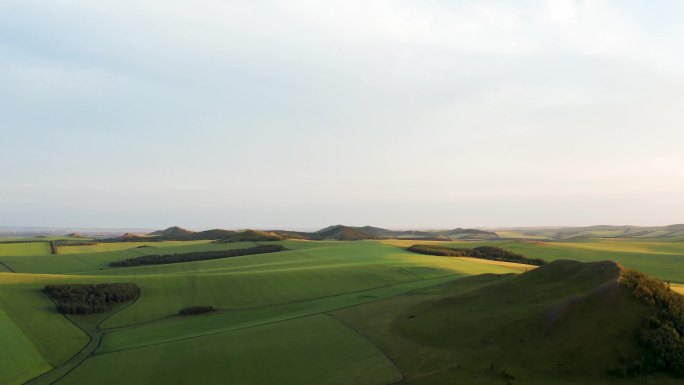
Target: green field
{"type": "Point", "coordinates": [313, 314]}
{"type": "Point", "coordinates": [23, 248]}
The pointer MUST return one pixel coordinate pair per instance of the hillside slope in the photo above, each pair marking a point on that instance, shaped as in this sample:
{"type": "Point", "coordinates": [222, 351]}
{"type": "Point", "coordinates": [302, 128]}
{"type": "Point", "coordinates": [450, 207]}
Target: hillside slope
{"type": "Point", "coordinates": [565, 322]}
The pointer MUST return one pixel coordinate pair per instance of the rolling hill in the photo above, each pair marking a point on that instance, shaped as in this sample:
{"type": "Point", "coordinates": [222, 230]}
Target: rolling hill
{"type": "Point", "coordinates": [532, 328]}
{"type": "Point", "coordinates": [459, 233]}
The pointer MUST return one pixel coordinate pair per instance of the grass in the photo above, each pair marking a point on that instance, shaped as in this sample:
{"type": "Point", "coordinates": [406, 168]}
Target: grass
{"type": "Point", "coordinates": [313, 278]}
{"type": "Point", "coordinates": [530, 329]}
{"type": "Point", "coordinates": [85, 262]}
{"type": "Point", "coordinates": [271, 323]}
{"type": "Point", "coordinates": [164, 296]}
{"type": "Point", "coordinates": [22, 300]}
{"type": "Point", "coordinates": [24, 248]}
{"type": "Point", "coordinates": [296, 352]}
{"type": "Point", "coordinates": [659, 258]}
{"type": "Point", "coordinates": [176, 327]}
{"type": "Point", "coordinates": [19, 358]}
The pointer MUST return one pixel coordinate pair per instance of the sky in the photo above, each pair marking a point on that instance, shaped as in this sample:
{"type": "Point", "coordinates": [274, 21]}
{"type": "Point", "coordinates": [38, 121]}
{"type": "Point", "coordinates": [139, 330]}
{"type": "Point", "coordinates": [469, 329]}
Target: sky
{"type": "Point", "coordinates": [302, 113]}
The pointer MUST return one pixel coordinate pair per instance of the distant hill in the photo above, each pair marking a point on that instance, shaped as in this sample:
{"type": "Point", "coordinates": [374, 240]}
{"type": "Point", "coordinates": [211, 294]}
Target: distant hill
{"type": "Point", "coordinates": [335, 232]}
{"type": "Point", "coordinates": [172, 232]}
{"type": "Point", "coordinates": [342, 233]}
{"type": "Point", "coordinates": [330, 233]}
{"type": "Point", "coordinates": [352, 233]}
{"type": "Point", "coordinates": [462, 234]}
{"type": "Point", "coordinates": [251, 236]}
{"type": "Point", "coordinates": [600, 231]}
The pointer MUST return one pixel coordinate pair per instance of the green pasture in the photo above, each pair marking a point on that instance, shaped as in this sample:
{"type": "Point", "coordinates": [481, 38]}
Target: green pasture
{"type": "Point", "coordinates": [272, 324]}
{"type": "Point", "coordinates": [19, 358]}
{"type": "Point", "coordinates": [20, 249]}
{"type": "Point", "coordinates": [311, 350]}
{"type": "Point", "coordinates": [182, 327]}
{"type": "Point", "coordinates": [87, 262]}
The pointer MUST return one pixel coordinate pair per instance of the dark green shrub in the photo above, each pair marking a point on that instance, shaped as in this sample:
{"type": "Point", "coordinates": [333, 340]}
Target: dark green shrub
{"type": "Point", "coordinates": [193, 310]}
{"type": "Point", "coordinates": [661, 336]}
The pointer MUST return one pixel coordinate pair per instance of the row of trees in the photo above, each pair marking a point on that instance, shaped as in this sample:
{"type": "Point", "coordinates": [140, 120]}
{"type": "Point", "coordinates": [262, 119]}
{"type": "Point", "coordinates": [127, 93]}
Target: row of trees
{"type": "Point", "coordinates": [484, 252]}
{"type": "Point", "coordinates": [53, 247]}
{"type": "Point", "coordinates": [661, 336]}
{"type": "Point", "coordinates": [195, 256]}
{"type": "Point", "coordinates": [88, 299]}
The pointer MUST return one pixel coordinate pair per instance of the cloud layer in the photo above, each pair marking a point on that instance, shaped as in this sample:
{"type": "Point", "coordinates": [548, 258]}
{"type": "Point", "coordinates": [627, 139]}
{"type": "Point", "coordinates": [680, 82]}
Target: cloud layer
{"type": "Point", "coordinates": [302, 113]}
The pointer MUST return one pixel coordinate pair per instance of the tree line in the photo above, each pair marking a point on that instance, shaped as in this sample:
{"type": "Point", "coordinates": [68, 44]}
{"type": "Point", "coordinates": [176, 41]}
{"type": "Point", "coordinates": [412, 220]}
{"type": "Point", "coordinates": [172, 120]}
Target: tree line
{"type": "Point", "coordinates": [661, 336]}
{"type": "Point", "coordinates": [484, 252]}
{"type": "Point", "coordinates": [87, 299]}
{"type": "Point", "coordinates": [153, 259]}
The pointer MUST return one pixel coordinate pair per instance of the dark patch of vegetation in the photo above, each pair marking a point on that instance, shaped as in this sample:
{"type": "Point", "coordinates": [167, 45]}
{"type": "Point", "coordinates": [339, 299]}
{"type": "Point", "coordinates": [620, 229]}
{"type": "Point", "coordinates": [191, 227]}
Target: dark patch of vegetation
{"type": "Point", "coordinates": [484, 252]}
{"type": "Point", "coordinates": [194, 310]}
{"type": "Point", "coordinates": [53, 247]}
{"type": "Point", "coordinates": [661, 337]}
{"type": "Point", "coordinates": [67, 242]}
{"type": "Point", "coordinates": [88, 299]}
{"type": "Point", "coordinates": [20, 241]}
{"type": "Point", "coordinates": [196, 256]}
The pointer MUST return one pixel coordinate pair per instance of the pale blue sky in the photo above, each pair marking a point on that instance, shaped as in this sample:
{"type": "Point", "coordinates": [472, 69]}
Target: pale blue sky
{"type": "Point", "coordinates": [304, 113]}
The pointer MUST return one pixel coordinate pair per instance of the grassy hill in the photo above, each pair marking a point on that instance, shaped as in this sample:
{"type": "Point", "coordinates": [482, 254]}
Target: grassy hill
{"type": "Point", "coordinates": [342, 233]}
{"type": "Point", "coordinates": [565, 322]}
{"type": "Point", "coordinates": [463, 234]}
{"type": "Point", "coordinates": [330, 233]}
{"type": "Point", "coordinates": [250, 236]}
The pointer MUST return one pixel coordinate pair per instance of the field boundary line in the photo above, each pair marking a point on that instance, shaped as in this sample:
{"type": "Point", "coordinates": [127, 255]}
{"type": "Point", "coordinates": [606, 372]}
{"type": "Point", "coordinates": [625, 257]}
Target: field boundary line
{"type": "Point", "coordinates": [7, 267]}
{"type": "Point", "coordinates": [390, 359]}
{"type": "Point", "coordinates": [90, 340]}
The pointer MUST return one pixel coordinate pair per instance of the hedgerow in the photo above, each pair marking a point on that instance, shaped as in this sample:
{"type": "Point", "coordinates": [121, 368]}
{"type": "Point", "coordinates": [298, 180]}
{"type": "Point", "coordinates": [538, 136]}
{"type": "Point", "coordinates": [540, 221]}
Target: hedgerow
{"type": "Point", "coordinates": [195, 256]}
{"type": "Point", "coordinates": [484, 252]}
